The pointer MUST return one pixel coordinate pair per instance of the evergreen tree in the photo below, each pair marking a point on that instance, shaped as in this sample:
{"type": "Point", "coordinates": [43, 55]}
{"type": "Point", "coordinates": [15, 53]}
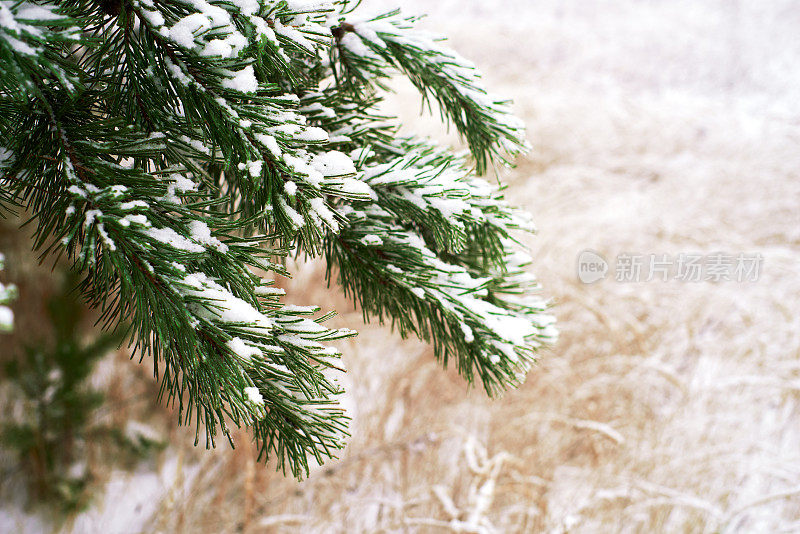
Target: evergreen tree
{"type": "Point", "coordinates": [169, 147]}
{"type": "Point", "coordinates": [52, 421]}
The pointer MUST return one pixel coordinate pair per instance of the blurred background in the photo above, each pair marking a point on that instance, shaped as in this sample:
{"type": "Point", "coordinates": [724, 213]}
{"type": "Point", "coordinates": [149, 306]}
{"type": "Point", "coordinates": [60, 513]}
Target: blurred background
{"type": "Point", "coordinates": [658, 127]}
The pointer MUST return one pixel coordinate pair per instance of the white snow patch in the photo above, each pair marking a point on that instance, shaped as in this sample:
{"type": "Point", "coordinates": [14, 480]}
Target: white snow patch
{"type": "Point", "coordinates": [242, 349]}
{"type": "Point", "coordinates": [254, 396]}
{"type": "Point", "coordinates": [202, 234]}
{"type": "Point", "coordinates": [243, 81]}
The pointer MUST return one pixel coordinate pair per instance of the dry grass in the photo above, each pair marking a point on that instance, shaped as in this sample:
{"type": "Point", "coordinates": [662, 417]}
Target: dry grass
{"type": "Point", "coordinates": [665, 407]}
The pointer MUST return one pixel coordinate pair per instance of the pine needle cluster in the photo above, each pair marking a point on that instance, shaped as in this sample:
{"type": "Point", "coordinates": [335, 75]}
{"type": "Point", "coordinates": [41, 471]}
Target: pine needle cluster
{"type": "Point", "coordinates": [172, 149]}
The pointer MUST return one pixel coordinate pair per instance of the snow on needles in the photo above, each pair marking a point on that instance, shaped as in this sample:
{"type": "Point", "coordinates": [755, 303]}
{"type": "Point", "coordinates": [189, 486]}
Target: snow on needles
{"type": "Point", "coordinates": [220, 304]}
{"type": "Point", "coordinates": [242, 349]}
{"type": "Point", "coordinates": [243, 81]}
{"type": "Point", "coordinates": [170, 237]}
{"type": "Point", "coordinates": [254, 396]}
{"type": "Point", "coordinates": [202, 234]}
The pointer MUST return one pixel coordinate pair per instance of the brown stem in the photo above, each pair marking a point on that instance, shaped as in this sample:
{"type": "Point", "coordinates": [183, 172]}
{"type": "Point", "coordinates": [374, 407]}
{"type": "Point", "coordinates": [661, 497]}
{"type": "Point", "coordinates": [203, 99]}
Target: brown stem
{"type": "Point", "coordinates": [339, 31]}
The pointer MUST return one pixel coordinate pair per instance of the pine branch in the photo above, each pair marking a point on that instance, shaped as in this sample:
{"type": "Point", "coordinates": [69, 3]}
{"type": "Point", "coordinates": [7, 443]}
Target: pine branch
{"type": "Point", "coordinates": [366, 50]}
{"type": "Point", "coordinates": [171, 148]}
{"type": "Point", "coordinates": [393, 275]}
{"type": "Point", "coordinates": [125, 230]}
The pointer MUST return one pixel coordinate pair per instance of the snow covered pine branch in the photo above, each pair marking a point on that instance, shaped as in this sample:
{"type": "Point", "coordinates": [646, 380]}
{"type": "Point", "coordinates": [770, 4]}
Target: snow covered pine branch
{"type": "Point", "coordinates": [172, 148]}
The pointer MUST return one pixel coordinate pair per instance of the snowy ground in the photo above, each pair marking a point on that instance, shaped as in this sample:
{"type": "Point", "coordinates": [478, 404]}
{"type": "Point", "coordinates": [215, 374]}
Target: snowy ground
{"type": "Point", "coordinates": [659, 127]}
